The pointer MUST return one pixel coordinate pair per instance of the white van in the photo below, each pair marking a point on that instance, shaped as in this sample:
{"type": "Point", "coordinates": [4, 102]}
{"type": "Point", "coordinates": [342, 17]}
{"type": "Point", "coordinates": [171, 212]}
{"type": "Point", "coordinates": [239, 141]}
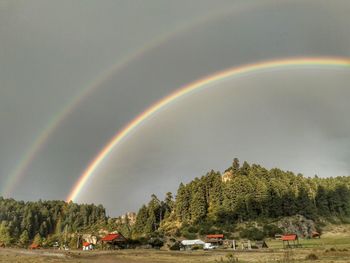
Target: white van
{"type": "Point", "coordinates": [208, 246]}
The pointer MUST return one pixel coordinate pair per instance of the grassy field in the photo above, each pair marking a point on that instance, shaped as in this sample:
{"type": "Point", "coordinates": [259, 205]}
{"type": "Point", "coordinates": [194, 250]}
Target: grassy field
{"type": "Point", "coordinates": [332, 247]}
{"type": "Point", "coordinates": [153, 256]}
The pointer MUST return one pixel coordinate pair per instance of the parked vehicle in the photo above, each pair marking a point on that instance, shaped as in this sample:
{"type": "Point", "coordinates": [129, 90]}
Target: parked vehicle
{"type": "Point", "coordinates": [209, 246]}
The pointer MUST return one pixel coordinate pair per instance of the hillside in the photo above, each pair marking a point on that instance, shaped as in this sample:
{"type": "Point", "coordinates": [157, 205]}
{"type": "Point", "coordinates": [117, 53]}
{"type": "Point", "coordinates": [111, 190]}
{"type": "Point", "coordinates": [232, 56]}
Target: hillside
{"type": "Point", "coordinates": [247, 201]}
{"type": "Point", "coordinates": [245, 193]}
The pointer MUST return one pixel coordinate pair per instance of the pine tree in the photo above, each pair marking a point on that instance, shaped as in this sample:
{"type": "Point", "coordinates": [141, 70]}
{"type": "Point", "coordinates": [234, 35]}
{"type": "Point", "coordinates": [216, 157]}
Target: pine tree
{"type": "Point", "coordinates": [198, 208]}
{"type": "Point", "coordinates": [168, 204]}
{"type": "Point", "coordinates": [24, 238]}
{"type": "Point", "coordinates": [245, 169]}
{"type": "Point", "coordinates": [305, 206]}
{"type": "Point", "coordinates": [235, 166]}
{"type": "Point", "coordinates": [182, 206]}
{"type": "Point", "coordinates": [322, 201]}
{"type": "Point", "coordinates": [141, 220]}
{"type": "Point", "coordinates": [37, 240]}
{"type": "Point", "coordinates": [5, 236]}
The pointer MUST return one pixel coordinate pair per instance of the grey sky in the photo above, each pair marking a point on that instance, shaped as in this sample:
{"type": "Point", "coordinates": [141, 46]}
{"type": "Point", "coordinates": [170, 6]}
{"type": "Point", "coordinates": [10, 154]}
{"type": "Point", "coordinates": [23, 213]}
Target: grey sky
{"type": "Point", "coordinates": [52, 50]}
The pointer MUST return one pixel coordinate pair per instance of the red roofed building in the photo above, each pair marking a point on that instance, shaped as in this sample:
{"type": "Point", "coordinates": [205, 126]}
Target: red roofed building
{"type": "Point", "coordinates": [88, 246]}
{"type": "Point", "coordinates": [216, 239]}
{"type": "Point", "coordinates": [289, 237]}
{"type": "Point", "coordinates": [113, 241]}
{"type": "Point", "coordinates": [217, 236]}
{"type": "Point", "coordinates": [290, 240]}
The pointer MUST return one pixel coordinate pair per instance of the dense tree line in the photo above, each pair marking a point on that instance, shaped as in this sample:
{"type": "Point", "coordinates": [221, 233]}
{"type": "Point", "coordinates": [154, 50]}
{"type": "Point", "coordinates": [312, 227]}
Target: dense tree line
{"type": "Point", "coordinates": [250, 192]}
{"type": "Point", "coordinates": [22, 222]}
{"type": "Point", "coordinates": [213, 202]}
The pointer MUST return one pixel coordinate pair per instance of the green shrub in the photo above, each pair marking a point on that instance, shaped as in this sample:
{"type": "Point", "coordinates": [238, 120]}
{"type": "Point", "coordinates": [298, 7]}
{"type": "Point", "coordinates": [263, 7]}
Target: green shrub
{"type": "Point", "coordinates": [271, 230]}
{"type": "Point", "coordinates": [252, 233]}
{"type": "Point", "coordinates": [196, 247]}
{"type": "Point", "coordinates": [156, 242]}
{"type": "Point", "coordinates": [188, 235]}
{"type": "Point", "coordinates": [175, 246]}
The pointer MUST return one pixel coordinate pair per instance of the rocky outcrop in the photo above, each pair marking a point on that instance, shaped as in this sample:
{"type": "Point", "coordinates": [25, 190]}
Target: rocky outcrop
{"type": "Point", "coordinates": [129, 217]}
{"type": "Point", "coordinates": [227, 176]}
{"type": "Point", "coordinates": [297, 224]}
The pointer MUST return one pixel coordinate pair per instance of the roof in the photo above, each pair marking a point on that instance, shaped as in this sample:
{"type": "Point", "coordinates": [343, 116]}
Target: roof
{"type": "Point", "coordinates": [192, 242]}
{"type": "Point", "coordinates": [216, 236]}
{"type": "Point", "coordinates": [86, 244]}
{"type": "Point", "coordinates": [289, 237]}
{"type": "Point", "coordinates": [112, 237]}
{"type": "Point", "coordinates": [34, 246]}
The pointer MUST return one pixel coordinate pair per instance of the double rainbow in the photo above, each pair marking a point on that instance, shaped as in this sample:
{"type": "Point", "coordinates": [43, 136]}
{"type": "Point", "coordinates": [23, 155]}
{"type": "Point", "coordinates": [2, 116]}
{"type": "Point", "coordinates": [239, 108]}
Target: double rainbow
{"type": "Point", "coordinates": [323, 62]}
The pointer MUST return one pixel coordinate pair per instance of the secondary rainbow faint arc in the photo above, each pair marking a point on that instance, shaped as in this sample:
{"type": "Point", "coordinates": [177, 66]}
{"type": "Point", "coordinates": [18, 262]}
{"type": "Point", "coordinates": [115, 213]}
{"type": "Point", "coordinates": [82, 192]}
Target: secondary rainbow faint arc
{"type": "Point", "coordinates": [19, 170]}
{"type": "Point", "coordinates": [201, 83]}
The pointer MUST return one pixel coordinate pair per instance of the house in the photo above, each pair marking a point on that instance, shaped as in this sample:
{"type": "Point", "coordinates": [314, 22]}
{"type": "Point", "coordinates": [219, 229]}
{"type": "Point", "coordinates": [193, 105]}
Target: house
{"type": "Point", "coordinates": [215, 239]}
{"type": "Point", "coordinates": [114, 241]}
{"type": "Point", "coordinates": [290, 241]}
{"type": "Point", "coordinates": [189, 244]}
{"type": "Point", "coordinates": [88, 246]}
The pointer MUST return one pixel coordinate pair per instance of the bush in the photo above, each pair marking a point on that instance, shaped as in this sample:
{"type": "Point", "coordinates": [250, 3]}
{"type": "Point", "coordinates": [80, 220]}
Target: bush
{"type": "Point", "coordinates": [196, 247]}
{"type": "Point", "coordinates": [271, 230]}
{"type": "Point", "coordinates": [311, 256]}
{"type": "Point", "coordinates": [230, 258]}
{"type": "Point", "coordinates": [175, 246]}
{"type": "Point", "coordinates": [192, 229]}
{"type": "Point", "coordinates": [156, 242]}
{"type": "Point", "coordinates": [252, 233]}
{"type": "Point", "coordinates": [188, 235]}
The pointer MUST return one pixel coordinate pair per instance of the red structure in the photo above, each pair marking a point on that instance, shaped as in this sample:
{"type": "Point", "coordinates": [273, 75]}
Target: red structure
{"type": "Point", "coordinates": [34, 246]}
{"type": "Point", "coordinates": [290, 241]}
{"type": "Point", "coordinates": [216, 239]}
{"type": "Point", "coordinates": [113, 241]}
{"type": "Point", "coordinates": [217, 236]}
{"type": "Point", "coordinates": [87, 246]}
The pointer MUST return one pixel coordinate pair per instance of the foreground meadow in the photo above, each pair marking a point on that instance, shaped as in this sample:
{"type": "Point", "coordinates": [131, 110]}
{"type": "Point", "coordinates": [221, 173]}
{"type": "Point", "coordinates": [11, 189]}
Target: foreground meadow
{"type": "Point", "coordinates": [327, 249]}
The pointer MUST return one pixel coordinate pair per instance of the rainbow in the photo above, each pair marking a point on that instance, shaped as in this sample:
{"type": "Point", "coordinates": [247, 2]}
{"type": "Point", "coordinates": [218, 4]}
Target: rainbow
{"type": "Point", "coordinates": [194, 86]}
{"type": "Point", "coordinates": [19, 171]}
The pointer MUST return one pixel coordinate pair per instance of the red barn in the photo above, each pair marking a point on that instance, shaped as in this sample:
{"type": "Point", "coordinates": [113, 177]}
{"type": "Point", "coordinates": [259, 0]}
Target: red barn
{"type": "Point", "coordinates": [113, 241]}
{"type": "Point", "coordinates": [216, 239]}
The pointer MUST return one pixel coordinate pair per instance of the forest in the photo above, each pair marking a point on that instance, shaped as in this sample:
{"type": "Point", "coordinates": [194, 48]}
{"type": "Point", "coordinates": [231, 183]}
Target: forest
{"type": "Point", "coordinates": [214, 202]}
{"type": "Point", "coordinates": [246, 192]}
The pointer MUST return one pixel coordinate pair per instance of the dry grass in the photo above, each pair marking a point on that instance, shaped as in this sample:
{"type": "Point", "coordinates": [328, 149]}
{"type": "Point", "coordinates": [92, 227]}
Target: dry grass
{"type": "Point", "coordinates": [152, 256]}
{"type": "Point", "coordinates": [330, 248]}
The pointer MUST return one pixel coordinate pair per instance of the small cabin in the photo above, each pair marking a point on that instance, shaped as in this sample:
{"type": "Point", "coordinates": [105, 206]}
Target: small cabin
{"type": "Point", "coordinates": [215, 239]}
{"type": "Point", "coordinates": [114, 241]}
{"type": "Point", "coordinates": [88, 246]}
{"type": "Point", "coordinates": [290, 241]}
